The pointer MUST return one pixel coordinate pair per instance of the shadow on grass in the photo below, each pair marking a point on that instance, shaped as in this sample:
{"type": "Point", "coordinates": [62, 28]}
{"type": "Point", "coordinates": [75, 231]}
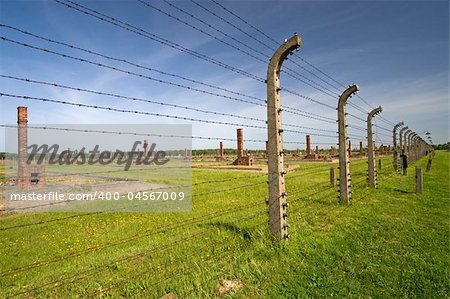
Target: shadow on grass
{"type": "Point", "coordinates": [246, 234]}
{"type": "Point", "coordinates": [402, 191]}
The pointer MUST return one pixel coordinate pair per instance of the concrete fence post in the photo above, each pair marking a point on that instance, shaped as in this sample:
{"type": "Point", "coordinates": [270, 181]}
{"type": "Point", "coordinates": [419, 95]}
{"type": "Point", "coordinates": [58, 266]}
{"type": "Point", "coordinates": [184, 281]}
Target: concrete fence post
{"type": "Point", "coordinates": [332, 177]}
{"type": "Point", "coordinates": [414, 151]}
{"type": "Point", "coordinates": [349, 148]}
{"type": "Point", "coordinates": [371, 174]}
{"type": "Point", "coordinates": [412, 147]}
{"type": "Point", "coordinates": [402, 151]}
{"type": "Point", "coordinates": [419, 180]}
{"type": "Point", "coordinates": [429, 163]}
{"type": "Point", "coordinates": [344, 161]}
{"type": "Point", "coordinates": [405, 141]}
{"type": "Point", "coordinates": [394, 145]}
{"type": "Point", "coordinates": [408, 136]}
{"type": "Point", "coordinates": [277, 189]}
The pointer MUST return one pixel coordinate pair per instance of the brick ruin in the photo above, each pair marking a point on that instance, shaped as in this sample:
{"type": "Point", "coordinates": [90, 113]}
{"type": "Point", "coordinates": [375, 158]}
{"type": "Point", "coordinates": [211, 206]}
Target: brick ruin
{"type": "Point", "coordinates": [384, 150]}
{"type": "Point", "coordinates": [333, 152]}
{"type": "Point", "coordinates": [145, 148]}
{"type": "Point", "coordinates": [316, 156]}
{"type": "Point", "coordinates": [309, 155]}
{"type": "Point", "coordinates": [361, 152]}
{"type": "Point", "coordinates": [220, 157]}
{"type": "Point", "coordinates": [28, 176]}
{"type": "Point", "coordinates": [246, 160]}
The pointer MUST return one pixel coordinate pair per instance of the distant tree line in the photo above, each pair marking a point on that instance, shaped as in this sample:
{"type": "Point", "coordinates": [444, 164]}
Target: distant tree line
{"type": "Point", "coordinates": [444, 146]}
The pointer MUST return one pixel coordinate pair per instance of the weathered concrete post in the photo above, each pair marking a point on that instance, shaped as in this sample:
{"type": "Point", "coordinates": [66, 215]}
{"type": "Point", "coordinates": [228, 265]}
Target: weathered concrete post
{"type": "Point", "coordinates": [419, 180]}
{"type": "Point", "coordinates": [394, 145]}
{"type": "Point", "coordinates": [405, 141]}
{"type": "Point", "coordinates": [429, 163]}
{"type": "Point", "coordinates": [349, 148]}
{"type": "Point", "coordinates": [412, 149]}
{"type": "Point", "coordinates": [417, 147]}
{"type": "Point", "coordinates": [370, 150]}
{"type": "Point", "coordinates": [276, 173]}
{"type": "Point", "coordinates": [410, 145]}
{"type": "Point", "coordinates": [332, 179]}
{"type": "Point", "coordinates": [344, 163]}
{"type": "Point", "coordinates": [402, 149]}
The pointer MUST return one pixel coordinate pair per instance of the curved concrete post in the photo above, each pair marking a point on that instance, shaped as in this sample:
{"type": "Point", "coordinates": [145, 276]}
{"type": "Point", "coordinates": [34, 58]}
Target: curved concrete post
{"type": "Point", "coordinates": [402, 149]}
{"type": "Point", "coordinates": [344, 162]}
{"type": "Point", "coordinates": [409, 137]}
{"type": "Point", "coordinates": [277, 189]}
{"type": "Point", "coordinates": [394, 145]}
{"type": "Point", "coordinates": [401, 137]}
{"type": "Point", "coordinates": [415, 152]}
{"type": "Point", "coordinates": [372, 176]}
{"type": "Point", "coordinates": [411, 146]}
{"type": "Point", "coordinates": [424, 147]}
{"type": "Point", "coordinates": [419, 147]}
{"type": "Point", "coordinates": [405, 141]}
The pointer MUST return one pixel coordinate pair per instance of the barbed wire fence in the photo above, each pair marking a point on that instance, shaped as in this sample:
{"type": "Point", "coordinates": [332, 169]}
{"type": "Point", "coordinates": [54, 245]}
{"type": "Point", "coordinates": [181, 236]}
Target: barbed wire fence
{"type": "Point", "coordinates": [160, 247]}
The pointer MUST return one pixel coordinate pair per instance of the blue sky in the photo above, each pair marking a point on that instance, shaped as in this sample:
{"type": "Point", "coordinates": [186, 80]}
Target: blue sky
{"type": "Point", "coordinates": [396, 51]}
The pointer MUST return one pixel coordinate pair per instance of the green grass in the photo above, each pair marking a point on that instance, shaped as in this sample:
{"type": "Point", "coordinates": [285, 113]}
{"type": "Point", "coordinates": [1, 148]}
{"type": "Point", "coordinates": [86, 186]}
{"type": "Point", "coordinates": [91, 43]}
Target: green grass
{"type": "Point", "coordinates": [390, 242]}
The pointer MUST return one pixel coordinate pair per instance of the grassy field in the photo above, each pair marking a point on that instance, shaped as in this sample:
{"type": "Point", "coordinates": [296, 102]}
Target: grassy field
{"type": "Point", "coordinates": [389, 242]}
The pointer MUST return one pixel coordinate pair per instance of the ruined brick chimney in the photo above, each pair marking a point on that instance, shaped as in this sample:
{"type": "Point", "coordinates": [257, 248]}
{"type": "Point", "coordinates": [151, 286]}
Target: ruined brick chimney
{"type": "Point", "coordinates": [28, 176]}
{"type": "Point", "coordinates": [145, 148]}
{"type": "Point", "coordinates": [308, 145]}
{"type": "Point", "coordinates": [241, 159]}
{"type": "Point", "coordinates": [221, 150]}
{"type": "Point", "coordinates": [240, 143]}
{"type": "Point", "coordinates": [22, 124]}
{"type": "Point", "coordinates": [360, 149]}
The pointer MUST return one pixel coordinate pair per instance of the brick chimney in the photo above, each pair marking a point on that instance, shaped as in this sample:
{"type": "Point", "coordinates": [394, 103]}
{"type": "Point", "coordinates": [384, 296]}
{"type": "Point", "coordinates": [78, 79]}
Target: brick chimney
{"type": "Point", "coordinates": [145, 149]}
{"type": "Point", "coordinates": [221, 150]}
{"type": "Point", "coordinates": [308, 145]}
{"type": "Point", "coordinates": [22, 124]}
{"type": "Point", "coordinates": [240, 143]}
